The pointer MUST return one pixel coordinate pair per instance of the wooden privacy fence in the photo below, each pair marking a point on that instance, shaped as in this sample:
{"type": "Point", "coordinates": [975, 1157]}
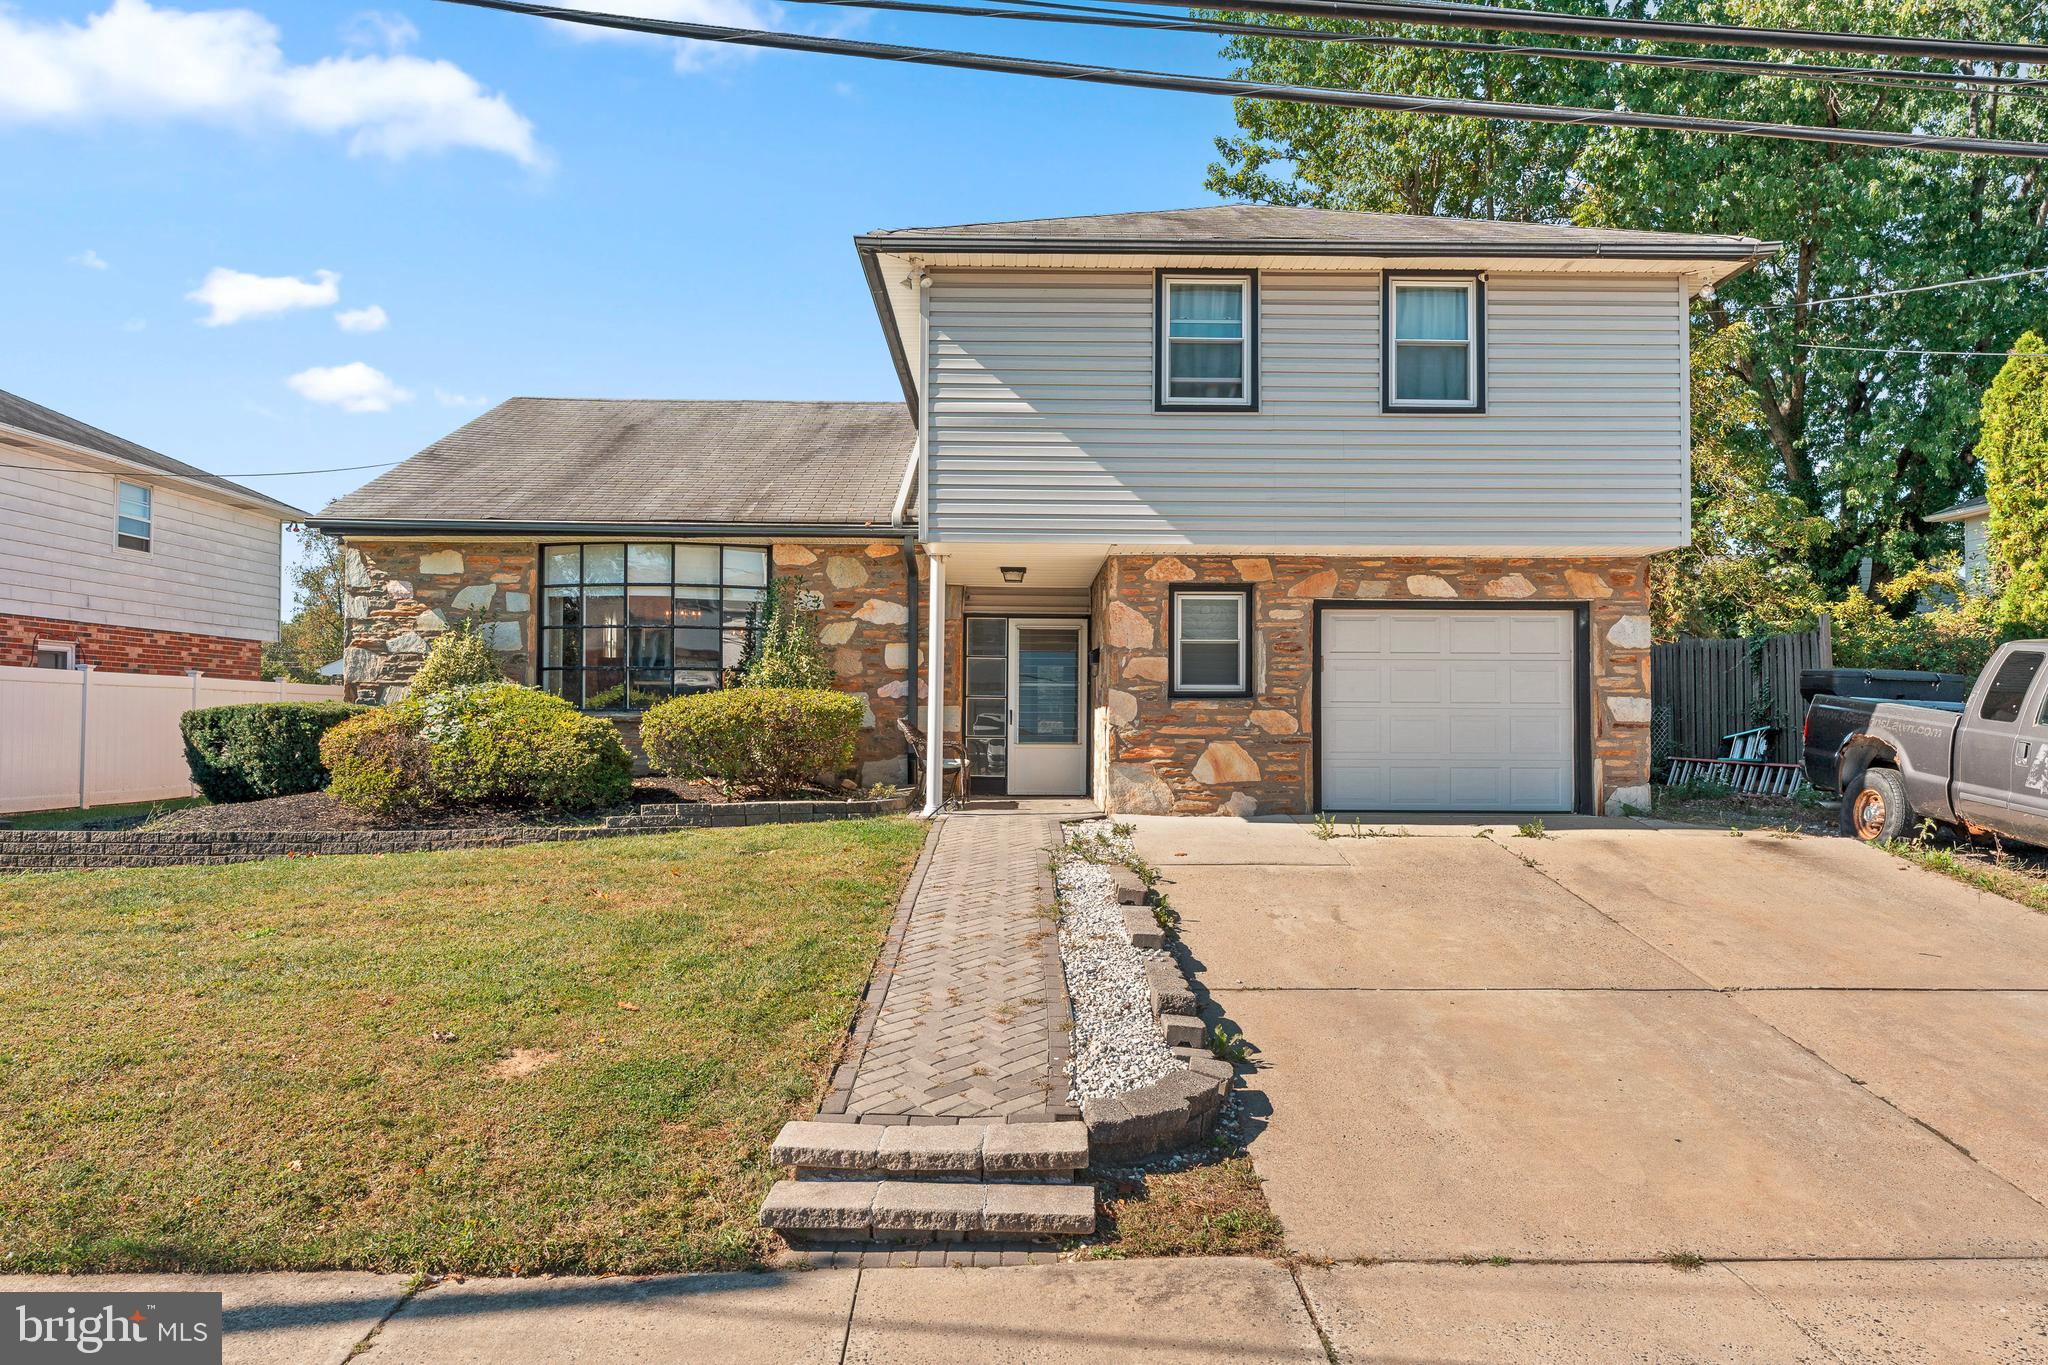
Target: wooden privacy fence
{"type": "Point", "coordinates": [79, 737]}
{"type": "Point", "coordinates": [1703, 689]}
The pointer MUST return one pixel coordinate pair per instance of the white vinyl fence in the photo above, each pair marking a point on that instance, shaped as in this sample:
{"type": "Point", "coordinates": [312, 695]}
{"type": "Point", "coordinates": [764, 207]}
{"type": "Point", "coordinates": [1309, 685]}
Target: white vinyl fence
{"type": "Point", "coordinates": [85, 738]}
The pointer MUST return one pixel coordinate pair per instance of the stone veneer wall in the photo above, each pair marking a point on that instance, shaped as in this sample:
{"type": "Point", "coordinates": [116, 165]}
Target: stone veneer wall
{"type": "Point", "coordinates": [1241, 756]}
{"type": "Point", "coordinates": [401, 594]}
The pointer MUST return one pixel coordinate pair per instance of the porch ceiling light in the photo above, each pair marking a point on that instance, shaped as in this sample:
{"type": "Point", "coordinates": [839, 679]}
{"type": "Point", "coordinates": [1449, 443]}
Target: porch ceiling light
{"type": "Point", "coordinates": [1013, 573]}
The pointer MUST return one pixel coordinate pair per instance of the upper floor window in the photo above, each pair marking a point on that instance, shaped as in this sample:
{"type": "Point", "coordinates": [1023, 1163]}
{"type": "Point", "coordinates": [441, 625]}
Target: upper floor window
{"type": "Point", "coordinates": [1207, 343]}
{"type": "Point", "coordinates": [1435, 346]}
{"type": "Point", "coordinates": [1211, 634]}
{"type": "Point", "coordinates": [625, 626]}
{"type": "Point", "coordinates": [131, 516]}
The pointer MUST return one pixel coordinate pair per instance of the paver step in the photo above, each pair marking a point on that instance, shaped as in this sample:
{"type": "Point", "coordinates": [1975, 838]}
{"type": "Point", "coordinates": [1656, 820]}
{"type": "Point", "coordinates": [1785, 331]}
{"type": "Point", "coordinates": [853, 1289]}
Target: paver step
{"type": "Point", "coordinates": [950, 1150]}
{"type": "Point", "coordinates": [845, 1210]}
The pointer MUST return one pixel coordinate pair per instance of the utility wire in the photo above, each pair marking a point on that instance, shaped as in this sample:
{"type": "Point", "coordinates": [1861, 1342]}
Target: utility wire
{"type": "Point", "coordinates": [1909, 350]}
{"type": "Point", "coordinates": [1056, 12]}
{"type": "Point", "coordinates": [1269, 90]}
{"type": "Point", "coordinates": [1911, 289]}
{"type": "Point", "coordinates": [1444, 14]}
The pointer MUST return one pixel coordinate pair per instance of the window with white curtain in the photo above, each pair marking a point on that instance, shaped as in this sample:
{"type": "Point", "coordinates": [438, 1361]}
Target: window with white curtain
{"type": "Point", "coordinates": [1206, 348]}
{"type": "Point", "coordinates": [1434, 343]}
{"type": "Point", "coordinates": [1210, 634]}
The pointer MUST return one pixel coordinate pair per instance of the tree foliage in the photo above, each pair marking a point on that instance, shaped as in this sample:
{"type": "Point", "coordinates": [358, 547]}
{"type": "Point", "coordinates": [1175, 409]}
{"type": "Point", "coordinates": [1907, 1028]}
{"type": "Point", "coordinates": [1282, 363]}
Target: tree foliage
{"type": "Point", "coordinates": [316, 633]}
{"type": "Point", "coordinates": [2014, 449]}
{"type": "Point", "coordinates": [1867, 442]}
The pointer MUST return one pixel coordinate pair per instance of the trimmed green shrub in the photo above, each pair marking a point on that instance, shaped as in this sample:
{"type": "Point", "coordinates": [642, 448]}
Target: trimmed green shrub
{"type": "Point", "coordinates": [259, 749]}
{"type": "Point", "coordinates": [460, 657]}
{"type": "Point", "coordinates": [767, 740]}
{"type": "Point", "coordinates": [493, 744]}
{"type": "Point", "coordinates": [379, 764]}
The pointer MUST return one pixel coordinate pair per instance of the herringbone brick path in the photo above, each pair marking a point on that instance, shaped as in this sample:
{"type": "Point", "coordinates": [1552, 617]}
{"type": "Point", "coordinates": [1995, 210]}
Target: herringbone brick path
{"type": "Point", "coordinates": [968, 1019]}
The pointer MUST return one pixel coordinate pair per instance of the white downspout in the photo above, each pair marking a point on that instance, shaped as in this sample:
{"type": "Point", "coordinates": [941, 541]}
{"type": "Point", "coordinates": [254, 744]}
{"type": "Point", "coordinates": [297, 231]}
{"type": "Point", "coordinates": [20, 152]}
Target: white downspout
{"type": "Point", "coordinates": [935, 692]}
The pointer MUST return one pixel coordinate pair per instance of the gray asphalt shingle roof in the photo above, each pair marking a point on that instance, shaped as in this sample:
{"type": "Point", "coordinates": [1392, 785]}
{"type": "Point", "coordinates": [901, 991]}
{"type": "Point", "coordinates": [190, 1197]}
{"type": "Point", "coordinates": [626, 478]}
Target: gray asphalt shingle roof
{"type": "Point", "coordinates": [37, 420]}
{"type": "Point", "coordinates": [651, 461]}
{"type": "Point", "coordinates": [1250, 227]}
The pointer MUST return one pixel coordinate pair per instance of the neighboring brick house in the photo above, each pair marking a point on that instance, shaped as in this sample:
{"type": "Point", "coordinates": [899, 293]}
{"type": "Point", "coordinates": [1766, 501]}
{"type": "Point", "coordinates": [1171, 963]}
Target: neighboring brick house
{"type": "Point", "coordinates": [1242, 510]}
{"type": "Point", "coordinates": [115, 556]}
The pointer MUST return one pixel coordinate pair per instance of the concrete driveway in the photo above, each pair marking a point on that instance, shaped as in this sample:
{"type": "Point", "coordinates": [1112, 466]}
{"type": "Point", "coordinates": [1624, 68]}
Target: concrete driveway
{"type": "Point", "coordinates": [1622, 1041]}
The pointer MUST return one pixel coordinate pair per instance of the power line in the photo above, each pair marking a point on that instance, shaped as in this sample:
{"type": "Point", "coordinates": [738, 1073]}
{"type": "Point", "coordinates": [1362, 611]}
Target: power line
{"type": "Point", "coordinates": [1911, 350]}
{"type": "Point", "coordinates": [1911, 289]}
{"type": "Point", "coordinates": [1097, 16]}
{"type": "Point", "coordinates": [1444, 14]}
{"type": "Point", "coordinates": [1269, 90]}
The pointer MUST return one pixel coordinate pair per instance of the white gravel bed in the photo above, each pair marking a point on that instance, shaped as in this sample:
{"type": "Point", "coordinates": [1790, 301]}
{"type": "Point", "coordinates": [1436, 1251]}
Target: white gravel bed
{"type": "Point", "coordinates": [1117, 1045]}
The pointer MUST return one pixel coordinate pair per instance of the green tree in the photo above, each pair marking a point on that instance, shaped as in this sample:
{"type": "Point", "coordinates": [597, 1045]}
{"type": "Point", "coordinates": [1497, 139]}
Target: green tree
{"type": "Point", "coordinates": [316, 633]}
{"type": "Point", "coordinates": [1869, 441]}
{"type": "Point", "coordinates": [2014, 449]}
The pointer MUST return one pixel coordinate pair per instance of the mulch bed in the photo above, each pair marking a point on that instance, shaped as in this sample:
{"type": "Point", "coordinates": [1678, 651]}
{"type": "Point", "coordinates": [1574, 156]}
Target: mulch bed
{"type": "Point", "coordinates": [317, 811]}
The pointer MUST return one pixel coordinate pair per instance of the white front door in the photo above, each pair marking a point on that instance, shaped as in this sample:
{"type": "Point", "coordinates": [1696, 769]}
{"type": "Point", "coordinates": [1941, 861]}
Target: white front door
{"type": "Point", "coordinates": [1048, 699]}
{"type": "Point", "coordinates": [1448, 710]}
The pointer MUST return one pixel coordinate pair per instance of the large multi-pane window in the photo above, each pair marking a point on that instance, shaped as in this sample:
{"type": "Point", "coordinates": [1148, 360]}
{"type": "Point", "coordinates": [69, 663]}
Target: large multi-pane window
{"type": "Point", "coordinates": [623, 626]}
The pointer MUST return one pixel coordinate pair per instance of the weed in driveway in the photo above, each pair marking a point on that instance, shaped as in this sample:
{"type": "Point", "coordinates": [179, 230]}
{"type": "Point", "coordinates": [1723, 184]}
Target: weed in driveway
{"type": "Point", "coordinates": [1685, 1260]}
{"type": "Point", "coordinates": [1532, 830]}
{"type": "Point", "coordinates": [1228, 1046]}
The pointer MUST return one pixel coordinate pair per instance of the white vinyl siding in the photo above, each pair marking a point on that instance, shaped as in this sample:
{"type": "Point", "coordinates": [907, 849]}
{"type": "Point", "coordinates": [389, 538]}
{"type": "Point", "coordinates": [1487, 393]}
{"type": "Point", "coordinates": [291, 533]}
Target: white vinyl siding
{"type": "Point", "coordinates": [211, 569]}
{"type": "Point", "coordinates": [1041, 421]}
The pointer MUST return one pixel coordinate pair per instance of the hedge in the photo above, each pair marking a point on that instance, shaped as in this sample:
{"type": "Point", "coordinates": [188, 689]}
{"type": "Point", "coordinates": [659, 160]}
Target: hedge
{"type": "Point", "coordinates": [259, 749]}
{"type": "Point", "coordinates": [772, 741]}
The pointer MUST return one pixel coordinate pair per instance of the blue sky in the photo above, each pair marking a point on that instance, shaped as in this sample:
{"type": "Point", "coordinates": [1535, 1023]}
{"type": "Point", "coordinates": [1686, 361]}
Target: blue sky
{"type": "Point", "coordinates": [614, 218]}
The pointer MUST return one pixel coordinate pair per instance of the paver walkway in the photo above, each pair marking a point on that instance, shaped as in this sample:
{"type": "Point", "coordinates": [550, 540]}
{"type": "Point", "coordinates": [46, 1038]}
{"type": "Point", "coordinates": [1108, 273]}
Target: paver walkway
{"type": "Point", "coordinates": [967, 1018]}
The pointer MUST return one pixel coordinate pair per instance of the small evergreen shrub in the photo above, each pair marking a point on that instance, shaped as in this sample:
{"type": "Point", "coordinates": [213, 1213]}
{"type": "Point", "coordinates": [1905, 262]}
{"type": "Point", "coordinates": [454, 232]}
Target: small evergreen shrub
{"type": "Point", "coordinates": [460, 657]}
{"type": "Point", "coordinates": [488, 744]}
{"type": "Point", "coordinates": [379, 764]}
{"type": "Point", "coordinates": [259, 749]}
{"type": "Point", "coordinates": [770, 741]}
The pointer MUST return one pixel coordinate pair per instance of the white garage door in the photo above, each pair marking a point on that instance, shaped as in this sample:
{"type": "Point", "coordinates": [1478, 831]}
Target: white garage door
{"type": "Point", "coordinates": [1447, 710]}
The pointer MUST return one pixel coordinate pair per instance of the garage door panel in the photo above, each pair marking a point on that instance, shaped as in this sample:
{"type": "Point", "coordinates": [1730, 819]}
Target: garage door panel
{"type": "Point", "coordinates": [1447, 710]}
{"type": "Point", "coordinates": [1547, 684]}
{"type": "Point", "coordinates": [1476, 635]}
{"type": "Point", "coordinates": [1415, 635]}
{"type": "Point", "coordinates": [1410, 684]}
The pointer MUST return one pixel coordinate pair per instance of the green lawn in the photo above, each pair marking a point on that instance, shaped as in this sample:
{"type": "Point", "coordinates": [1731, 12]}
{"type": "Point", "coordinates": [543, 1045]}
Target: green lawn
{"type": "Point", "coordinates": [71, 817]}
{"type": "Point", "coordinates": [311, 1062]}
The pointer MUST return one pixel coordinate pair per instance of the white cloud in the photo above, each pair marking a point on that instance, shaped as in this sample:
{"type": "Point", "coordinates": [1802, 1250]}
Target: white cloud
{"type": "Point", "coordinates": [380, 29]}
{"type": "Point", "coordinates": [370, 319]}
{"type": "Point", "coordinates": [88, 258]}
{"type": "Point", "coordinates": [138, 63]}
{"type": "Point", "coordinates": [233, 295]}
{"type": "Point", "coordinates": [354, 387]}
{"type": "Point", "coordinates": [458, 400]}
{"type": "Point", "coordinates": [690, 55]}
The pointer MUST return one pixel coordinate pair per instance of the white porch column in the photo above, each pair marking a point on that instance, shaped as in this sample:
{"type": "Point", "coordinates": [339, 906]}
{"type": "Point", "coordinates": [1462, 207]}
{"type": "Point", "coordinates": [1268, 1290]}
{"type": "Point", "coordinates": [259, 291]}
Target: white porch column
{"type": "Point", "coordinates": [935, 692]}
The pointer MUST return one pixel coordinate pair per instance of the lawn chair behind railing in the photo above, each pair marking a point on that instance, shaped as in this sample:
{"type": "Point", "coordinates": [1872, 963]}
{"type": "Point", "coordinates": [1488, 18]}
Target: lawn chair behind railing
{"type": "Point", "coordinates": [1742, 769]}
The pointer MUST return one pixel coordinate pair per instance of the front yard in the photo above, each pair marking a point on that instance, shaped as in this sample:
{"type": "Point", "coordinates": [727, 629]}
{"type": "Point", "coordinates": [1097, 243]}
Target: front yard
{"type": "Point", "coordinates": [553, 1058]}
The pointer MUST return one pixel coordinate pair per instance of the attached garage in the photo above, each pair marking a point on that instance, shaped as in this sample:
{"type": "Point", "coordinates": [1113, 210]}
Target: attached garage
{"type": "Point", "coordinates": [1448, 708]}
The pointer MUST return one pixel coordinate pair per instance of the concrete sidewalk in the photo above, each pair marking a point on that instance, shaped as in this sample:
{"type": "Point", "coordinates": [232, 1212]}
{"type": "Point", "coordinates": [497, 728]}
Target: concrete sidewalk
{"type": "Point", "coordinates": [1188, 1312]}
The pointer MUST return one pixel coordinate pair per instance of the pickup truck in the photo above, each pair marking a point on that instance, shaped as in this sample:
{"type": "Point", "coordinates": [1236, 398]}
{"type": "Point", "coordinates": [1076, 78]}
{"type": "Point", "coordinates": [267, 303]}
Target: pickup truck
{"type": "Point", "coordinates": [1913, 753]}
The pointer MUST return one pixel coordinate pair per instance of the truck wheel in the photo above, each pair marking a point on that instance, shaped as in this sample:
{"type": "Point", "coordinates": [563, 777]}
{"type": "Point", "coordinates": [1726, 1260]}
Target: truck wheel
{"type": "Point", "coordinates": [1876, 811]}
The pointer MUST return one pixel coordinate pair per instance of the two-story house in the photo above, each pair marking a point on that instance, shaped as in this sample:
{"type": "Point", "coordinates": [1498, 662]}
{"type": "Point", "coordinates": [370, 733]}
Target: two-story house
{"type": "Point", "coordinates": [1236, 509]}
{"type": "Point", "coordinates": [115, 556]}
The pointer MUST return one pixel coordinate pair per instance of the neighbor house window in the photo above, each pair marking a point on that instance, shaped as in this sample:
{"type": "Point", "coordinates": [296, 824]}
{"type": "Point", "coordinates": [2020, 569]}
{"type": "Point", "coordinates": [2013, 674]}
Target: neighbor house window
{"type": "Point", "coordinates": [131, 516]}
{"type": "Point", "coordinates": [1435, 344]}
{"type": "Point", "coordinates": [1211, 642]}
{"type": "Point", "coordinates": [625, 626]}
{"type": "Point", "coordinates": [55, 655]}
{"type": "Point", "coordinates": [1207, 348]}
